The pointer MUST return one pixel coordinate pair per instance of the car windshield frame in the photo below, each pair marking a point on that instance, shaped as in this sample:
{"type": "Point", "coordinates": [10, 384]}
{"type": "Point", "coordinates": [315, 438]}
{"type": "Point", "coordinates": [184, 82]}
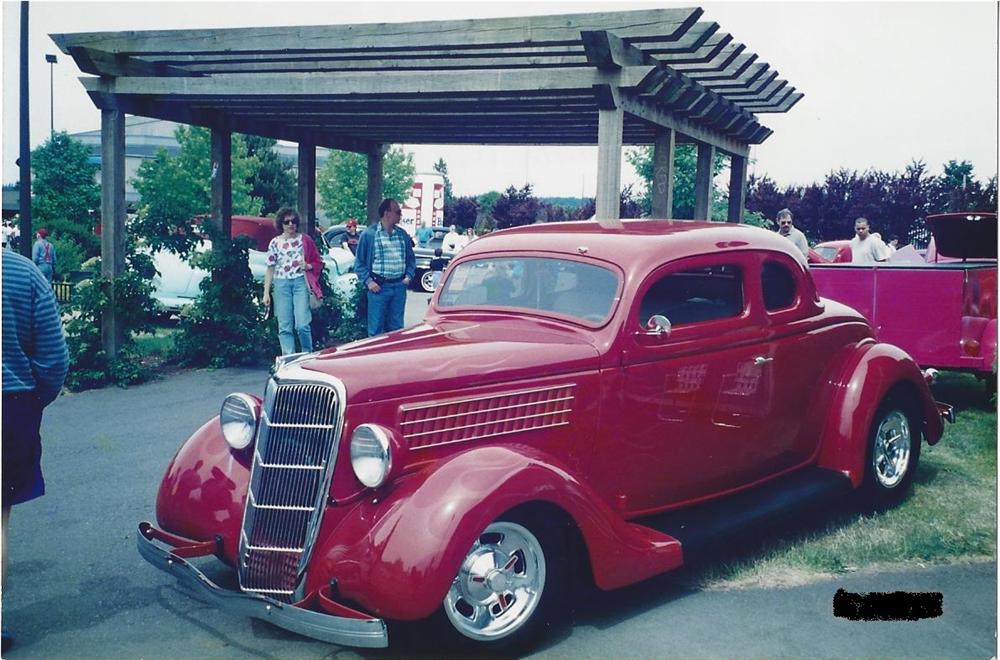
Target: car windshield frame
{"type": "Point", "coordinates": [567, 287]}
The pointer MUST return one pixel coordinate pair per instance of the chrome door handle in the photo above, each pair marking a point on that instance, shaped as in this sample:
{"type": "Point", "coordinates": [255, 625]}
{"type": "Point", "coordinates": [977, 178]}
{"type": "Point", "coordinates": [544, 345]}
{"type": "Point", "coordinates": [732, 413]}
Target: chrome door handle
{"type": "Point", "coordinates": [761, 360]}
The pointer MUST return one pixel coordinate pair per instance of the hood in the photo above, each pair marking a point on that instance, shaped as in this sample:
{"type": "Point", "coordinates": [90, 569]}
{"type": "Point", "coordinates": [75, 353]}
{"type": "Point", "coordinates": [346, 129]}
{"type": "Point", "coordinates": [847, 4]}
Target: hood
{"type": "Point", "coordinates": [452, 355]}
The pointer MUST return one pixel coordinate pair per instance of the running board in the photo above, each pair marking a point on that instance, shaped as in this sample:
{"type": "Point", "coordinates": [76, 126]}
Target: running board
{"type": "Point", "coordinates": [699, 527]}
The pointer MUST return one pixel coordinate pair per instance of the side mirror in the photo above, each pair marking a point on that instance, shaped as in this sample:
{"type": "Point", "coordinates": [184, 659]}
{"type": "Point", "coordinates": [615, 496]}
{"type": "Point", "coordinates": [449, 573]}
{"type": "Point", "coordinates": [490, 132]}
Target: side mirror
{"type": "Point", "coordinates": [657, 326]}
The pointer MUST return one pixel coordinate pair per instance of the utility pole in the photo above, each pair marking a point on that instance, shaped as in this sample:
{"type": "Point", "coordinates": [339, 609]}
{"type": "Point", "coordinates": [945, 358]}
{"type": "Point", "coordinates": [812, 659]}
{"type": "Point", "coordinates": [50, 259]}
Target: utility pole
{"type": "Point", "coordinates": [24, 161]}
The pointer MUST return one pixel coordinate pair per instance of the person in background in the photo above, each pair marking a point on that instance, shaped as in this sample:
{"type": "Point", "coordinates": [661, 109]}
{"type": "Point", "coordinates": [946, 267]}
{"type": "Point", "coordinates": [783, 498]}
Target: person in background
{"type": "Point", "coordinates": [789, 231]}
{"type": "Point", "coordinates": [867, 248]}
{"type": "Point", "coordinates": [352, 236]}
{"type": "Point", "coordinates": [437, 266]}
{"type": "Point", "coordinates": [290, 255]}
{"type": "Point", "coordinates": [452, 240]}
{"type": "Point", "coordinates": [893, 245]}
{"type": "Point", "coordinates": [386, 266]}
{"type": "Point", "coordinates": [44, 255]}
{"type": "Point", "coordinates": [470, 235]}
{"type": "Point", "coordinates": [424, 233]}
{"type": "Point", "coordinates": [35, 362]}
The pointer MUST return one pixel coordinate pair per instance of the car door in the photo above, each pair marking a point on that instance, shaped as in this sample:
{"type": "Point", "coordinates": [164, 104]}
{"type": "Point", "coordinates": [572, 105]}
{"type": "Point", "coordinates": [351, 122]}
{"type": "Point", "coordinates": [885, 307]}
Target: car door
{"type": "Point", "coordinates": [696, 401]}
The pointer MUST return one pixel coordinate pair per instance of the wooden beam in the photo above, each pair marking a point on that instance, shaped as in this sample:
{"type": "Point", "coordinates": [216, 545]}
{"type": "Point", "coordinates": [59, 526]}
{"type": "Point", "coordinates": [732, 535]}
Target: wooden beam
{"type": "Point", "coordinates": [609, 53]}
{"type": "Point", "coordinates": [375, 184]}
{"type": "Point", "coordinates": [662, 193]}
{"type": "Point", "coordinates": [723, 58]}
{"type": "Point", "coordinates": [661, 25]}
{"type": "Point", "coordinates": [112, 221]}
{"type": "Point", "coordinates": [733, 70]}
{"type": "Point", "coordinates": [703, 182]}
{"type": "Point", "coordinates": [306, 184]}
{"type": "Point", "coordinates": [653, 114]}
{"type": "Point", "coordinates": [101, 63]}
{"type": "Point", "coordinates": [693, 38]}
{"type": "Point", "coordinates": [359, 85]}
{"type": "Point", "coordinates": [221, 180]}
{"type": "Point", "coordinates": [609, 167]}
{"type": "Point", "coordinates": [737, 188]}
{"type": "Point", "coordinates": [706, 52]}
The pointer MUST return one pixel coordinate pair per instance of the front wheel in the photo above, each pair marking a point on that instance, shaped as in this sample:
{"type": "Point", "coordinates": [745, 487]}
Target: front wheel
{"type": "Point", "coordinates": [509, 586]}
{"type": "Point", "coordinates": [893, 453]}
{"type": "Point", "coordinates": [425, 281]}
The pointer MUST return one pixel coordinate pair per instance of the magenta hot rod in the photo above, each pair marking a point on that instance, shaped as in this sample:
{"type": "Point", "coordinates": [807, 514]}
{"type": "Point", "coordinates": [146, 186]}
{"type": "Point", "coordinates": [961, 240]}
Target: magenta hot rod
{"type": "Point", "coordinates": [575, 392]}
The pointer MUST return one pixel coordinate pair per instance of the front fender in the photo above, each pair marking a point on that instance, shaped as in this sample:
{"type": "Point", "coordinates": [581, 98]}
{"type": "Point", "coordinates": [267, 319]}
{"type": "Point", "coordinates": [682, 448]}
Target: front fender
{"type": "Point", "coordinates": [866, 378]}
{"type": "Point", "coordinates": [398, 556]}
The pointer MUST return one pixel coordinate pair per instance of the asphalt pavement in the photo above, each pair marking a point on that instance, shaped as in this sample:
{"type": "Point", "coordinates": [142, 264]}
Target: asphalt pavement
{"type": "Point", "coordinates": [78, 588]}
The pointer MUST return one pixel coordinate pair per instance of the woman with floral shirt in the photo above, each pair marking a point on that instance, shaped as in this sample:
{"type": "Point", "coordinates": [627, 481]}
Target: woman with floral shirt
{"type": "Point", "coordinates": [290, 256]}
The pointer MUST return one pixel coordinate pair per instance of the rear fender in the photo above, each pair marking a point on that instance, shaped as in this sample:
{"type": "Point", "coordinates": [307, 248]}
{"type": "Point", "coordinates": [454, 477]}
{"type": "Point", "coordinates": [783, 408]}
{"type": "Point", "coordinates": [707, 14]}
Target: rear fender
{"type": "Point", "coordinates": [988, 342]}
{"type": "Point", "coordinates": [867, 377]}
{"type": "Point", "coordinates": [414, 540]}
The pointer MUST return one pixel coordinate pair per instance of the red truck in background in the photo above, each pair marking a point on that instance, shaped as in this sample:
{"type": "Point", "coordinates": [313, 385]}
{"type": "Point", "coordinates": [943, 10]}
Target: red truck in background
{"type": "Point", "coordinates": [941, 307]}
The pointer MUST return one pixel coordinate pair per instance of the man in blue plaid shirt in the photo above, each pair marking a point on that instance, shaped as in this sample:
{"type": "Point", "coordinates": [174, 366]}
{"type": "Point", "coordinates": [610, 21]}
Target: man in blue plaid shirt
{"type": "Point", "coordinates": [385, 266]}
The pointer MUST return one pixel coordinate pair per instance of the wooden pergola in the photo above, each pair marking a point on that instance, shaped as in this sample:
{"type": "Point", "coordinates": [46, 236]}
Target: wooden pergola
{"type": "Point", "coordinates": [659, 77]}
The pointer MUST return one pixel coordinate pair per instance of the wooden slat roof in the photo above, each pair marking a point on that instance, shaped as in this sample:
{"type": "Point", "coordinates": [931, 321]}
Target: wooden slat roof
{"type": "Point", "coordinates": [525, 80]}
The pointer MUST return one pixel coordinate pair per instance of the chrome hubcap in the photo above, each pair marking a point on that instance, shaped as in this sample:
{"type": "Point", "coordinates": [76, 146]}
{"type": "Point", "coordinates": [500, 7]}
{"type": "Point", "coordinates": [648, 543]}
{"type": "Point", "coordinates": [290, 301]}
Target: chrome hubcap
{"type": "Point", "coordinates": [498, 585]}
{"type": "Point", "coordinates": [891, 453]}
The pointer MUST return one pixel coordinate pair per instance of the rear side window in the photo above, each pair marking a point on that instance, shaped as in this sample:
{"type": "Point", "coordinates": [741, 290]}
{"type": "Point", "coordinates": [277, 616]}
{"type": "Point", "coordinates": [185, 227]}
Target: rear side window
{"type": "Point", "coordinates": [778, 285]}
{"type": "Point", "coordinates": [695, 295]}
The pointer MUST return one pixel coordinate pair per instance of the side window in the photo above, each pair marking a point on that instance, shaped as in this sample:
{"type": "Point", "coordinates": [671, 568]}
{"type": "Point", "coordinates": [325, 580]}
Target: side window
{"type": "Point", "coordinates": [695, 295]}
{"type": "Point", "coordinates": [778, 285]}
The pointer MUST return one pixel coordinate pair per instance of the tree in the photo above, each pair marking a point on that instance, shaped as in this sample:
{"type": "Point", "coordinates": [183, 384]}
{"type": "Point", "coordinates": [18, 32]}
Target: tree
{"type": "Point", "coordinates": [175, 190]}
{"type": "Point", "coordinates": [461, 211]}
{"type": "Point", "coordinates": [515, 208]}
{"type": "Point", "coordinates": [66, 198]}
{"type": "Point", "coordinates": [441, 168]}
{"type": "Point", "coordinates": [342, 183]}
{"type": "Point", "coordinates": [685, 169]}
{"type": "Point", "coordinates": [272, 181]}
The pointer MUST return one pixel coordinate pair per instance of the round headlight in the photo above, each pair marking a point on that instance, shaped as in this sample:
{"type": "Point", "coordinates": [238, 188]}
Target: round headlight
{"type": "Point", "coordinates": [239, 420]}
{"type": "Point", "coordinates": [371, 456]}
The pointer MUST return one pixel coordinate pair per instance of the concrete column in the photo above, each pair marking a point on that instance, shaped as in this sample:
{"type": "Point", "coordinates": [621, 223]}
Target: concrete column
{"type": "Point", "coordinates": [112, 220]}
{"type": "Point", "coordinates": [663, 173]}
{"type": "Point", "coordinates": [222, 180]}
{"type": "Point", "coordinates": [737, 187]}
{"type": "Point", "coordinates": [703, 182]}
{"type": "Point", "coordinates": [307, 185]}
{"type": "Point", "coordinates": [375, 183]}
{"type": "Point", "coordinates": [609, 165]}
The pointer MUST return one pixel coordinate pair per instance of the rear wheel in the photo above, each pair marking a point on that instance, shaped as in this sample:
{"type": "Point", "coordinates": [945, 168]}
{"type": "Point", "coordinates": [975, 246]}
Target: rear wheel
{"type": "Point", "coordinates": [425, 281]}
{"type": "Point", "coordinates": [893, 453]}
{"type": "Point", "coordinates": [510, 585]}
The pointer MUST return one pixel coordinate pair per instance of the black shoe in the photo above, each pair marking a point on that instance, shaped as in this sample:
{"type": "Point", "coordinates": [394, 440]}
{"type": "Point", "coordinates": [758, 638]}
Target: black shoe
{"type": "Point", "coordinates": [7, 641]}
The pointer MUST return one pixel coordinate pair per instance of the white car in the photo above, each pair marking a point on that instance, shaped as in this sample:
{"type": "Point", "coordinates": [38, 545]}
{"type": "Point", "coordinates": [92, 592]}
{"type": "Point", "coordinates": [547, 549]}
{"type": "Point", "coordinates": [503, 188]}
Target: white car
{"type": "Point", "coordinates": [177, 282]}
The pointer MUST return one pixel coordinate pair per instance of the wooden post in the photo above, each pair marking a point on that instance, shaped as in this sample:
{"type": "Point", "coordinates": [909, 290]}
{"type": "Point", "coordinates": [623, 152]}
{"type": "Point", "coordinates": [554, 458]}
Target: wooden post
{"type": "Point", "coordinates": [112, 220]}
{"type": "Point", "coordinates": [375, 183]}
{"type": "Point", "coordinates": [307, 184]}
{"type": "Point", "coordinates": [222, 180]}
{"type": "Point", "coordinates": [703, 182]}
{"type": "Point", "coordinates": [737, 187]}
{"type": "Point", "coordinates": [663, 173]}
{"type": "Point", "coordinates": [609, 166]}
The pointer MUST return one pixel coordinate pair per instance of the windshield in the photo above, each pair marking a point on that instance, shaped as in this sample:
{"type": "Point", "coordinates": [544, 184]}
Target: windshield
{"type": "Point", "coordinates": [583, 291]}
{"type": "Point", "coordinates": [827, 253]}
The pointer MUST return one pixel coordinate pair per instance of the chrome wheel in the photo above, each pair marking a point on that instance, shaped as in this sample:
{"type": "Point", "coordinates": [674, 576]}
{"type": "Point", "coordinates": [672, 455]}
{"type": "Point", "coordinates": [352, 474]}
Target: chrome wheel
{"type": "Point", "coordinates": [427, 281]}
{"type": "Point", "coordinates": [891, 451]}
{"type": "Point", "coordinates": [499, 584]}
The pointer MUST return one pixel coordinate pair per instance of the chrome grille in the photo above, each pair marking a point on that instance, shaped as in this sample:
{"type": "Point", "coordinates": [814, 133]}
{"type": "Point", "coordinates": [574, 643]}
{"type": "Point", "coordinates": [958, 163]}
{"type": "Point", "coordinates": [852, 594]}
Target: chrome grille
{"type": "Point", "coordinates": [293, 459]}
{"type": "Point", "coordinates": [476, 418]}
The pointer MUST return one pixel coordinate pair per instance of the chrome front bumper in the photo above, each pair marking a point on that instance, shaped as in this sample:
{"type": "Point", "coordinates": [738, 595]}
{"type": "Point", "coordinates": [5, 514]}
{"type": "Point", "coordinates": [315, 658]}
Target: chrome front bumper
{"type": "Point", "coordinates": [347, 627]}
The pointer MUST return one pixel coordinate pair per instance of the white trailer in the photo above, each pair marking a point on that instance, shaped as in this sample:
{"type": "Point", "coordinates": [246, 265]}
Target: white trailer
{"type": "Point", "coordinates": [426, 202]}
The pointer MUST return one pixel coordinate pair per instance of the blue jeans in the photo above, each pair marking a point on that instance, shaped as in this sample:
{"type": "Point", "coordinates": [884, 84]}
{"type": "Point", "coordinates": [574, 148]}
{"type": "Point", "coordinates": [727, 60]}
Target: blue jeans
{"type": "Point", "coordinates": [291, 303]}
{"type": "Point", "coordinates": [385, 309]}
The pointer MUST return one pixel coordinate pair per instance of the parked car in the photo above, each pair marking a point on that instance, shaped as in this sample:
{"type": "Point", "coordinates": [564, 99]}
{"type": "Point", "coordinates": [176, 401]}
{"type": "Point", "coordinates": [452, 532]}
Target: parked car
{"type": "Point", "coordinates": [424, 281]}
{"type": "Point", "coordinates": [575, 397]}
{"type": "Point", "coordinates": [831, 252]}
{"type": "Point", "coordinates": [941, 311]}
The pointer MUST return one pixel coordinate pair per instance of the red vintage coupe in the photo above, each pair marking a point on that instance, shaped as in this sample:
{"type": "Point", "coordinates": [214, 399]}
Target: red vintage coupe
{"type": "Point", "coordinates": [604, 398]}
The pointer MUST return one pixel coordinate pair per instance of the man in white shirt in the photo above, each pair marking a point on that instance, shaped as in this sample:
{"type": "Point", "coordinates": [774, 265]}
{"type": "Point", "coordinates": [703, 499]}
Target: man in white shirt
{"type": "Point", "coordinates": [453, 241]}
{"type": "Point", "coordinates": [788, 230]}
{"type": "Point", "coordinates": [867, 248]}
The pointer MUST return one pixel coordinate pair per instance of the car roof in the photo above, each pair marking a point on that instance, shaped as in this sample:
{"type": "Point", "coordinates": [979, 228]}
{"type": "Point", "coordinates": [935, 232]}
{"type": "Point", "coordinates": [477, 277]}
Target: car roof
{"type": "Point", "coordinates": [637, 243]}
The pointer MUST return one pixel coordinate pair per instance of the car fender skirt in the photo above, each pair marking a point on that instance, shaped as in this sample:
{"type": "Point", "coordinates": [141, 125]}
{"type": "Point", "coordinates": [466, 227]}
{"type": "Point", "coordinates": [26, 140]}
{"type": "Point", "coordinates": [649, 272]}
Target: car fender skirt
{"type": "Point", "coordinates": [414, 540]}
{"type": "Point", "coordinates": [867, 376]}
{"type": "Point", "coordinates": [317, 616]}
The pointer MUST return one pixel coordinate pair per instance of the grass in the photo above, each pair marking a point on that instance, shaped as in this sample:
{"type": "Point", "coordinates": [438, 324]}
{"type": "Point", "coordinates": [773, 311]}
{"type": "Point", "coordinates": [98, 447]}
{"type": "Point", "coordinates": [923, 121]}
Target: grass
{"type": "Point", "coordinates": [158, 345]}
{"type": "Point", "coordinates": [950, 516]}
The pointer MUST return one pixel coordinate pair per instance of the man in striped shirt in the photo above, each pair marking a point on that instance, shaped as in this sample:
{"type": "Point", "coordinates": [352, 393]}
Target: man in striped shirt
{"type": "Point", "coordinates": [385, 266]}
{"type": "Point", "coordinates": [35, 361]}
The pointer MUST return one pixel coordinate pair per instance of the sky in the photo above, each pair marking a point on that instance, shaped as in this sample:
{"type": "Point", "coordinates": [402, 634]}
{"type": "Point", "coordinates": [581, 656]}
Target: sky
{"type": "Point", "coordinates": [884, 83]}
